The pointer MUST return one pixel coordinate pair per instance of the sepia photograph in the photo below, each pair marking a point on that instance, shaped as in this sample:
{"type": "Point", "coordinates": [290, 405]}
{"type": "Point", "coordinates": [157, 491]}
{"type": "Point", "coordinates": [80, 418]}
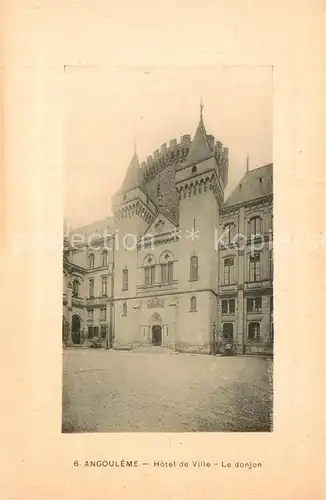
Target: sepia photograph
{"type": "Point", "coordinates": [167, 305]}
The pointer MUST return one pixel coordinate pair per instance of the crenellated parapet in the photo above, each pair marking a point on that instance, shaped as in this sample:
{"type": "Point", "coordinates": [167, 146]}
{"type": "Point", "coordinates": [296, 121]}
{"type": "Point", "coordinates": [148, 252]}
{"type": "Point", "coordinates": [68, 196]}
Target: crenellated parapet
{"type": "Point", "coordinates": [173, 154]}
{"type": "Point", "coordinates": [200, 186]}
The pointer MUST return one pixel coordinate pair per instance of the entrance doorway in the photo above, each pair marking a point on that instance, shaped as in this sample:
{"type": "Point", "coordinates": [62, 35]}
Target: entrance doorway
{"type": "Point", "coordinates": [75, 330]}
{"type": "Point", "coordinates": [157, 335]}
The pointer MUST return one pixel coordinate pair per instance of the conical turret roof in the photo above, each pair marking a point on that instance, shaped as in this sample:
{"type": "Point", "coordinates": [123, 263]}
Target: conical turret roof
{"type": "Point", "coordinates": [132, 177]}
{"type": "Point", "coordinates": [199, 148]}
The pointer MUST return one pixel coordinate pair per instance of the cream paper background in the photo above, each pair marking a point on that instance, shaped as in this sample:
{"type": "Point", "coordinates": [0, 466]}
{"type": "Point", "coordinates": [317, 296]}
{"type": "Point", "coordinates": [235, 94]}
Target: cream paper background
{"type": "Point", "coordinates": [40, 38]}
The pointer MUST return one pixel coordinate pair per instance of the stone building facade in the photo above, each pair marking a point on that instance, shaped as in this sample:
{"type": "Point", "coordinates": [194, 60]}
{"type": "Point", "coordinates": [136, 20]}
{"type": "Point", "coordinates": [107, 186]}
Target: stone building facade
{"type": "Point", "coordinates": [176, 265]}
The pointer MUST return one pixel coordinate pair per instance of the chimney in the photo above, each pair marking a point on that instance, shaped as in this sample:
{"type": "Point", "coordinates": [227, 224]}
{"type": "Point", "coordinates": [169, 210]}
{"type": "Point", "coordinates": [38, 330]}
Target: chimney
{"type": "Point", "coordinates": [156, 153]}
{"type": "Point", "coordinates": [149, 159]}
{"type": "Point", "coordinates": [163, 147]}
{"type": "Point", "coordinates": [173, 143]}
{"type": "Point", "coordinates": [143, 164]}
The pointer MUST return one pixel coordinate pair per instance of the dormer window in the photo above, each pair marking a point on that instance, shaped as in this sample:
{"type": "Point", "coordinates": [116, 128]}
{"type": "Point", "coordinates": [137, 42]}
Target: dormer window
{"type": "Point", "coordinates": [194, 169]}
{"type": "Point", "coordinates": [124, 197]}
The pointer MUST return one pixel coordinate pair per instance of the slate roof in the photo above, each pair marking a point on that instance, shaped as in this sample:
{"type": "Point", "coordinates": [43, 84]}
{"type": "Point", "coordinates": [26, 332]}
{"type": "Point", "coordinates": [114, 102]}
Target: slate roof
{"type": "Point", "coordinates": [199, 148]}
{"type": "Point", "coordinates": [96, 227]}
{"type": "Point", "coordinates": [254, 184]}
{"type": "Point", "coordinates": [132, 177]}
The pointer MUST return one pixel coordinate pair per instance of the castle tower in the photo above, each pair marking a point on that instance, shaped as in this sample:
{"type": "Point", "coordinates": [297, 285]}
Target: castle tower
{"type": "Point", "coordinates": [200, 183]}
{"type": "Point", "coordinates": [133, 212]}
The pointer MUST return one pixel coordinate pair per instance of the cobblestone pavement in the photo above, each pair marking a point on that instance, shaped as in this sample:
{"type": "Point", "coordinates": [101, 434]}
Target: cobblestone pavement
{"type": "Point", "coordinates": [115, 391]}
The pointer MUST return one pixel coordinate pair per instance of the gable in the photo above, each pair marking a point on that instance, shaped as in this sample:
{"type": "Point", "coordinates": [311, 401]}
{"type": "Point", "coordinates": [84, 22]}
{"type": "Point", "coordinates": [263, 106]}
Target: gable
{"type": "Point", "coordinates": [161, 224]}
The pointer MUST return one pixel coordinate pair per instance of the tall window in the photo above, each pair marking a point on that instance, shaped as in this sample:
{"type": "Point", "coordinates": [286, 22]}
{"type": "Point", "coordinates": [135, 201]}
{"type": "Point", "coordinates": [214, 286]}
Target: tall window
{"type": "Point", "coordinates": [104, 287]}
{"type": "Point", "coordinates": [254, 304]}
{"type": "Point", "coordinates": [194, 170]}
{"type": "Point", "coordinates": [228, 331]}
{"type": "Point", "coordinates": [167, 269]}
{"type": "Point", "coordinates": [228, 306]}
{"type": "Point", "coordinates": [254, 331]}
{"type": "Point", "coordinates": [149, 275]}
{"type": "Point", "coordinates": [90, 332]}
{"type": "Point", "coordinates": [103, 331]}
{"type": "Point", "coordinates": [194, 268]}
{"type": "Point", "coordinates": [167, 272]}
{"type": "Point", "coordinates": [228, 271]}
{"type": "Point", "coordinates": [228, 233]}
{"type": "Point", "coordinates": [91, 288]}
{"type": "Point", "coordinates": [255, 226]}
{"type": "Point", "coordinates": [124, 309]}
{"type": "Point", "coordinates": [103, 314]}
{"type": "Point", "coordinates": [91, 314]}
{"type": "Point", "coordinates": [75, 288]}
{"type": "Point", "coordinates": [125, 279]}
{"type": "Point", "coordinates": [104, 258]}
{"type": "Point", "coordinates": [254, 267]}
{"type": "Point", "coordinates": [91, 261]}
{"type": "Point", "coordinates": [193, 304]}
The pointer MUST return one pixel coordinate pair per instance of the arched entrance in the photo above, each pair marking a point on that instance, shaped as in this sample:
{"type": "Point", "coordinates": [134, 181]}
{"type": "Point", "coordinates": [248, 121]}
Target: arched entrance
{"type": "Point", "coordinates": [156, 335]}
{"type": "Point", "coordinates": [76, 325]}
{"type": "Point", "coordinates": [156, 327]}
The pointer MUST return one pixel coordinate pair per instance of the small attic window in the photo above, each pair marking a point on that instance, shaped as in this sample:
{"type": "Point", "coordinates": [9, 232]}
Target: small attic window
{"type": "Point", "coordinates": [260, 179]}
{"type": "Point", "coordinates": [240, 186]}
{"type": "Point", "coordinates": [194, 170]}
{"type": "Point", "coordinates": [124, 196]}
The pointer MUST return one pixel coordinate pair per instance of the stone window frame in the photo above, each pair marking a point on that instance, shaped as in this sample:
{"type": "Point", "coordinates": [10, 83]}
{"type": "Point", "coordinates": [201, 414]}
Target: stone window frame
{"type": "Point", "coordinates": [193, 303]}
{"type": "Point", "coordinates": [256, 335]}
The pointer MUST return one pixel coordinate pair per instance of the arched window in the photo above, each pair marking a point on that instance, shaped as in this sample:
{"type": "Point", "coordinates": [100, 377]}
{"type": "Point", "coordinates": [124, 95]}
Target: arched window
{"type": "Point", "coordinates": [91, 260]}
{"type": "Point", "coordinates": [166, 268]}
{"type": "Point", "coordinates": [124, 309]}
{"type": "Point", "coordinates": [254, 331]}
{"type": "Point", "coordinates": [75, 288]}
{"type": "Point", "coordinates": [193, 304]}
{"type": "Point", "coordinates": [228, 331]}
{"type": "Point", "coordinates": [104, 287]}
{"type": "Point", "coordinates": [254, 267]}
{"type": "Point", "coordinates": [228, 271]}
{"type": "Point", "coordinates": [149, 271]}
{"type": "Point", "coordinates": [104, 258]}
{"type": "Point", "coordinates": [255, 226]}
{"type": "Point", "coordinates": [125, 279]}
{"type": "Point", "coordinates": [91, 288]}
{"type": "Point", "coordinates": [194, 170]}
{"type": "Point", "coordinates": [194, 268]}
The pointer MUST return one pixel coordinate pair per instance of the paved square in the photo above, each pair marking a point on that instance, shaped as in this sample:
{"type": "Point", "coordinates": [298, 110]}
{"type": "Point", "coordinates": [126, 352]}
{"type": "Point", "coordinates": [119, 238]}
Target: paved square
{"type": "Point", "coordinates": [114, 391]}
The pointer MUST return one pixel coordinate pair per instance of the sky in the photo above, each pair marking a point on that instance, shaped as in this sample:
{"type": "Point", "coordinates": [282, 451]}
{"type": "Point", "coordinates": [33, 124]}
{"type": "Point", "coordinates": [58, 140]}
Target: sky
{"type": "Point", "coordinates": [109, 112]}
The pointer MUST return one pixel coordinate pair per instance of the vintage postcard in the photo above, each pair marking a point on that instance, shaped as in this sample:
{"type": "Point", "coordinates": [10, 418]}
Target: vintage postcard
{"type": "Point", "coordinates": [169, 296]}
{"type": "Point", "coordinates": [164, 244]}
